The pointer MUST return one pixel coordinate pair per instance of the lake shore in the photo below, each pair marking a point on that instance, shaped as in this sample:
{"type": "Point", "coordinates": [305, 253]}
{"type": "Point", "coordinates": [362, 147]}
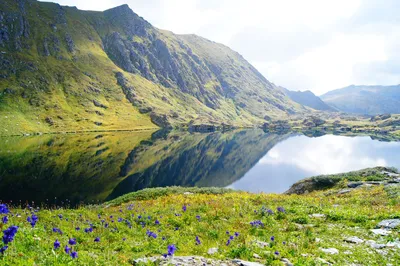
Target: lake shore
{"type": "Point", "coordinates": [336, 224]}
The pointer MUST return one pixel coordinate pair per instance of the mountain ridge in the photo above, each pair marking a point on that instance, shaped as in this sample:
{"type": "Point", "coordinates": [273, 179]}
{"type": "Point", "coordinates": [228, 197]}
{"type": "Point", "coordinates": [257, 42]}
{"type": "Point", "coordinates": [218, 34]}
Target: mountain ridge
{"type": "Point", "coordinates": [365, 99]}
{"type": "Point", "coordinates": [309, 99]}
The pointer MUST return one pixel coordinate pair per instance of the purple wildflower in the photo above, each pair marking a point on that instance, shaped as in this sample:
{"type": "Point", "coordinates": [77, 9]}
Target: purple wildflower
{"type": "Point", "coordinates": [198, 242]}
{"type": "Point", "coordinates": [9, 234]}
{"type": "Point", "coordinates": [272, 238]}
{"type": "Point", "coordinates": [281, 209]}
{"type": "Point", "coordinates": [72, 241]}
{"type": "Point", "coordinates": [74, 254]}
{"type": "Point", "coordinates": [57, 244]}
{"type": "Point", "coordinates": [4, 220]}
{"type": "Point", "coordinates": [171, 250]}
{"type": "Point", "coordinates": [97, 239]}
{"type": "Point", "coordinates": [3, 249]}
{"type": "Point", "coordinates": [184, 208]}
{"type": "Point", "coordinates": [67, 249]}
{"type": "Point", "coordinates": [236, 234]}
{"type": "Point", "coordinates": [4, 209]}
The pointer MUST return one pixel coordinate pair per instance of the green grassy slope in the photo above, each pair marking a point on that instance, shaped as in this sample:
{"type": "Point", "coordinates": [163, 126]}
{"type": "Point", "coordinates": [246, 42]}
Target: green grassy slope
{"type": "Point", "coordinates": [59, 69]}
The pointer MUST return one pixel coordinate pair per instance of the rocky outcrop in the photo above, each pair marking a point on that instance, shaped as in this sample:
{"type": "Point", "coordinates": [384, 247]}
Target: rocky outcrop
{"type": "Point", "coordinates": [160, 120]}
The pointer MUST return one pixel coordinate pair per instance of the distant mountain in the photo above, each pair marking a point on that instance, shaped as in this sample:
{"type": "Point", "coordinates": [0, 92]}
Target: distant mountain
{"type": "Point", "coordinates": [64, 69]}
{"type": "Point", "coordinates": [309, 99]}
{"type": "Point", "coordinates": [370, 100]}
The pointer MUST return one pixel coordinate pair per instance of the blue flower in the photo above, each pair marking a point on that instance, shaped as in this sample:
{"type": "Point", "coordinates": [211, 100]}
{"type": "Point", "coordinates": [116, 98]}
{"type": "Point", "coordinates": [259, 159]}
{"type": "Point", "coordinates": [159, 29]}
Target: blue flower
{"type": "Point", "coordinates": [198, 217]}
{"type": "Point", "coordinates": [228, 242]}
{"type": "Point", "coordinates": [227, 232]}
{"type": "Point", "coordinates": [67, 249]}
{"type": "Point", "coordinates": [157, 222]}
{"type": "Point", "coordinates": [74, 254]}
{"type": "Point", "coordinates": [4, 220]}
{"type": "Point", "coordinates": [276, 253]}
{"type": "Point", "coordinates": [281, 209]}
{"type": "Point", "coordinates": [198, 242]}
{"type": "Point", "coordinates": [236, 234]}
{"type": "Point", "coordinates": [88, 230]}
{"type": "Point", "coordinates": [56, 230]}
{"type": "Point", "coordinates": [272, 238]}
{"type": "Point", "coordinates": [72, 241]}
{"type": "Point", "coordinates": [257, 223]}
{"type": "Point", "coordinates": [4, 209]}
{"type": "Point", "coordinates": [184, 208]}
{"type": "Point", "coordinates": [171, 250]}
{"type": "Point", "coordinates": [56, 244]}
{"type": "Point", "coordinates": [231, 237]}
{"type": "Point", "coordinates": [97, 239]}
{"type": "Point", "coordinates": [3, 249]}
{"type": "Point", "coordinates": [60, 216]}
{"type": "Point", "coordinates": [120, 220]}
{"type": "Point", "coordinates": [9, 234]}
{"type": "Point", "coordinates": [77, 228]}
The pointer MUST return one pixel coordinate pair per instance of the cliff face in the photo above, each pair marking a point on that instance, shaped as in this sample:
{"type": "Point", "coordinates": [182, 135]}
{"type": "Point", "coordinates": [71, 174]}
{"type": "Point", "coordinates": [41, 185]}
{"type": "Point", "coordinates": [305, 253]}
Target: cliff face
{"type": "Point", "coordinates": [57, 61]}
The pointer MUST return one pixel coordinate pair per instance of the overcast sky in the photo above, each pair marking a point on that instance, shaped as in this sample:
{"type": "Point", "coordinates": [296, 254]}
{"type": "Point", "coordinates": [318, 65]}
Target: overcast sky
{"type": "Point", "coordinates": [309, 44]}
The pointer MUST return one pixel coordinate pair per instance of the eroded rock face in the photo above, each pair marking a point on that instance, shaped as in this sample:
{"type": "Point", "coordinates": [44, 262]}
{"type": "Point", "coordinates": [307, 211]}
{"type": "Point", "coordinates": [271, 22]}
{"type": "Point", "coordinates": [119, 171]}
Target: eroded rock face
{"type": "Point", "coordinates": [160, 120]}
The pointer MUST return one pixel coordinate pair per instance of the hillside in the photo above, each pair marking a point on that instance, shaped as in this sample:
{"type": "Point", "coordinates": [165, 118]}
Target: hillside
{"type": "Point", "coordinates": [63, 69]}
{"type": "Point", "coordinates": [309, 99]}
{"type": "Point", "coordinates": [370, 100]}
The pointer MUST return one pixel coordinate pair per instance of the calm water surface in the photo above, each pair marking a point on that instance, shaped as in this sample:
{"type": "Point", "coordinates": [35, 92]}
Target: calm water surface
{"type": "Point", "coordinates": [59, 169]}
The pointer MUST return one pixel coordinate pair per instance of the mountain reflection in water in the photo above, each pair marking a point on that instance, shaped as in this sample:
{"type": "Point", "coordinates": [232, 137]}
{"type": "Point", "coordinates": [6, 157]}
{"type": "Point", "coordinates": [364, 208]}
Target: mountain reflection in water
{"type": "Point", "coordinates": [96, 167]}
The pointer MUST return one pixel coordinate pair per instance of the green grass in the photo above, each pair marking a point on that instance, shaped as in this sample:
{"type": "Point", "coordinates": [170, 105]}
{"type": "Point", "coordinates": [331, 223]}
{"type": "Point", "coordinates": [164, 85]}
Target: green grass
{"type": "Point", "coordinates": [298, 236]}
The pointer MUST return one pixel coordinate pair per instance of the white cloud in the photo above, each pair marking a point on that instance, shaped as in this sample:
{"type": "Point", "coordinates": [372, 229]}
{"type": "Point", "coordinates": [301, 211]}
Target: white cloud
{"type": "Point", "coordinates": [310, 44]}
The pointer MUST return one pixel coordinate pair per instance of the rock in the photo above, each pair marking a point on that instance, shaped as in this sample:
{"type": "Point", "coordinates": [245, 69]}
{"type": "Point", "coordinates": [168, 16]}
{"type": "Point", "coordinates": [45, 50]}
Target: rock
{"type": "Point", "coordinates": [286, 262]}
{"type": "Point", "coordinates": [324, 261]}
{"type": "Point", "coordinates": [331, 251]}
{"type": "Point", "coordinates": [377, 246]}
{"type": "Point", "coordinates": [160, 120]}
{"type": "Point", "coordinates": [354, 184]}
{"type": "Point", "coordinates": [395, 244]}
{"type": "Point", "coordinates": [261, 244]}
{"type": "Point", "coordinates": [390, 224]}
{"type": "Point", "coordinates": [188, 193]}
{"type": "Point", "coordinates": [344, 191]}
{"type": "Point", "coordinates": [381, 232]}
{"type": "Point", "coordinates": [212, 251]}
{"type": "Point", "coordinates": [145, 110]}
{"type": "Point", "coordinates": [256, 256]}
{"type": "Point", "coordinates": [318, 215]}
{"type": "Point", "coordinates": [245, 263]}
{"type": "Point", "coordinates": [98, 104]}
{"type": "Point", "coordinates": [98, 123]}
{"type": "Point", "coordinates": [49, 121]}
{"type": "Point", "coordinates": [354, 240]}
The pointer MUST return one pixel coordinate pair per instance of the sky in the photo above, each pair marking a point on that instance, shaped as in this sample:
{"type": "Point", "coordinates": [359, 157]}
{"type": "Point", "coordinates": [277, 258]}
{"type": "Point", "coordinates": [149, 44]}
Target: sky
{"type": "Point", "coordinates": [301, 45]}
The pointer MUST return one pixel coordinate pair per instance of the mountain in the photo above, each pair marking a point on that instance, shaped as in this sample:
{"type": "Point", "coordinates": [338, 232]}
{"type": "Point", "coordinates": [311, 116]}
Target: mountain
{"type": "Point", "coordinates": [63, 69]}
{"type": "Point", "coordinates": [370, 100]}
{"type": "Point", "coordinates": [309, 99]}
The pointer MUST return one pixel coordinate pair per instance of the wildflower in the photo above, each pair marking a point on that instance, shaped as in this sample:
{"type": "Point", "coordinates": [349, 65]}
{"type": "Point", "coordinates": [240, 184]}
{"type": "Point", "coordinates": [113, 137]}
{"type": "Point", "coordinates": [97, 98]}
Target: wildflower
{"type": "Point", "coordinates": [139, 217]}
{"type": "Point", "coordinates": [56, 230]}
{"type": "Point", "coordinates": [67, 249]}
{"type": "Point", "coordinates": [123, 239]}
{"type": "Point", "coordinates": [257, 223]}
{"type": "Point", "coordinates": [176, 228]}
{"type": "Point", "coordinates": [228, 242]}
{"type": "Point", "coordinates": [77, 228]}
{"type": "Point", "coordinates": [198, 242]}
{"type": "Point", "coordinates": [276, 253]}
{"type": "Point", "coordinates": [270, 212]}
{"type": "Point", "coordinates": [120, 220]}
{"type": "Point", "coordinates": [88, 230]}
{"type": "Point", "coordinates": [171, 250]}
{"type": "Point", "coordinates": [4, 209]}
{"type": "Point", "coordinates": [72, 241]}
{"type": "Point", "coordinates": [4, 220]}
{"type": "Point", "coordinates": [60, 216]}
{"type": "Point", "coordinates": [227, 232]}
{"type": "Point", "coordinates": [198, 217]}
{"type": "Point", "coordinates": [231, 237]}
{"type": "Point", "coordinates": [3, 249]}
{"type": "Point", "coordinates": [151, 234]}
{"type": "Point", "coordinates": [74, 255]}
{"type": "Point", "coordinates": [165, 255]}
{"type": "Point", "coordinates": [97, 239]}
{"type": "Point", "coordinates": [9, 234]}
{"type": "Point", "coordinates": [272, 238]}
{"type": "Point", "coordinates": [157, 222]}
{"type": "Point", "coordinates": [163, 238]}
{"type": "Point", "coordinates": [56, 244]}
{"type": "Point", "coordinates": [236, 234]}
{"type": "Point", "coordinates": [284, 242]}
{"type": "Point", "coordinates": [184, 208]}
{"type": "Point", "coordinates": [281, 209]}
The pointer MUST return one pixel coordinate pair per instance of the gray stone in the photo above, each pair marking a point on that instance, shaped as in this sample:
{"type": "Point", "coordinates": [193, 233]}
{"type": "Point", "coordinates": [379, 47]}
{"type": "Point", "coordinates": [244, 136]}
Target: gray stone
{"type": "Point", "coordinates": [261, 244]}
{"type": "Point", "coordinates": [391, 223]}
{"type": "Point", "coordinates": [381, 232]}
{"type": "Point", "coordinates": [245, 263]}
{"type": "Point", "coordinates": [344, 191]}
{"type": "Point", "coordinates": [354, 240]}
{"type": "Point", "coordinates": [318, 215]}
{"type": "Point", "coordinates": [331, 251]}
{"type": "Point", "coordinates": [286, 262]}
{"type": "Point", "coordinates": [212, 251]}
{"type": "Point", "coordinates": [354, 184]}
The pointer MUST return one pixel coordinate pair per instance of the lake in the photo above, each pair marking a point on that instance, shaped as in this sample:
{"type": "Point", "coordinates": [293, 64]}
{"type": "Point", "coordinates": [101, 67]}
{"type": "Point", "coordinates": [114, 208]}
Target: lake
{"type": "Point", "coordinates": [88, 168]}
